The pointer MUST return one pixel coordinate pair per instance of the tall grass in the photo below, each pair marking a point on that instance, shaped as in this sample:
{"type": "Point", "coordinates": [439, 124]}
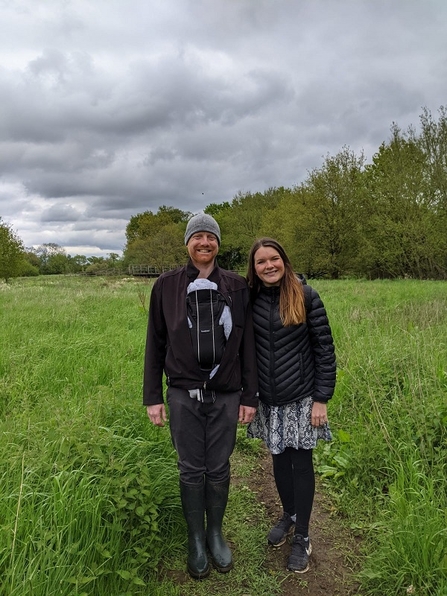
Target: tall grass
{"type": "Point", "coordinates": [89, 500]}
{"type": "Point", "coordinates": [85, 480]}
{"type": "Point", "coordinates": [387, 467]}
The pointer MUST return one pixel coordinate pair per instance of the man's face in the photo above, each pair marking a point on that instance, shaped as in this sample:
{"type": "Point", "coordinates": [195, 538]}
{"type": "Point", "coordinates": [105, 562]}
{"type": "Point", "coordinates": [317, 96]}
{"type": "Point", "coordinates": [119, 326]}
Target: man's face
{"type": "Point", "coordinates": [203, 248]}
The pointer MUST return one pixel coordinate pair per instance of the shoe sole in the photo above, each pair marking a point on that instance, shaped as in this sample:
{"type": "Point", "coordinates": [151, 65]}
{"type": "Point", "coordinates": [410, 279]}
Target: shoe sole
{"type": "Point", "coordinates": [222, 569]}
{"type": "Point", "coordinates": [283, 540]}
{"type": "Point", "coordinates": [305, 570]}
{"type": "Point", "coordinates": [309, 552]}
{"type": "Point", "coordinates": [199, 575]}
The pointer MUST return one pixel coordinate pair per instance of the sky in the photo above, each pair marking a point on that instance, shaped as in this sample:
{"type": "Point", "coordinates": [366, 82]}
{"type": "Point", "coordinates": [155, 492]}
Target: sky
{"type": "Point", "coordinates": [110, 108]}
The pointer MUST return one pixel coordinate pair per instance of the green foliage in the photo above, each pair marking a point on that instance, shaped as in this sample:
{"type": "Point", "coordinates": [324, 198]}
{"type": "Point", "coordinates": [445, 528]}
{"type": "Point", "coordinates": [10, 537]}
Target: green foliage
{"type": "Point", "coordinates": [89, 495]}
{"type": "Point", "coordinates": [411, 546]}
{"type": "Point", "coordinates": [214, 209]}
{"type": "Point", "coordinates": [400, 233]}
{"type": "Point", "coordinates": [52, 259]}
{"type": "Point", "coordinates": [318, 222]}
{"type": "Point", "coordinates": [156, 239]}
{"type": "Point", "coordinates": [242, 223]}
{"type": "Point", "coordinates": [89, 489]}
{"type": "Point", "coordinates": [173, 215]}
{"type": "Point", "coordinates": [166, 248]}
{"type": "Point", "coordinates": [386, 219]}
{"type": "Point", "coordinates": [11, 253]}
{"type": "Point", "coordinates": [89, 500]}
{"type": "Point", "coordinates": [386, 467]}
{"type": "Point", "coordinates": [433, 144]}
{"type": "Point", "coordinates": [28, 270]}
{"type": "Point", "coordinates": [32, 258]}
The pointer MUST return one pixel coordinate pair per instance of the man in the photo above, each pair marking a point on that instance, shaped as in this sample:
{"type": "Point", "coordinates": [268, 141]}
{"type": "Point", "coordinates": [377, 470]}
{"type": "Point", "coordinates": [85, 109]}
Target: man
{"type": "Point", "coordinates": [200, 334]}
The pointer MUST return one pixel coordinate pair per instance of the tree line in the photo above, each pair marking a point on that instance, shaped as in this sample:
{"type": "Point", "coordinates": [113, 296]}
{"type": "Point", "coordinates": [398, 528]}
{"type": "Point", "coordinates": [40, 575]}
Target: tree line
{"type": "Point", "coordinates": [348, 218]}
{"type": "Point", "coordinates": [47, 259]}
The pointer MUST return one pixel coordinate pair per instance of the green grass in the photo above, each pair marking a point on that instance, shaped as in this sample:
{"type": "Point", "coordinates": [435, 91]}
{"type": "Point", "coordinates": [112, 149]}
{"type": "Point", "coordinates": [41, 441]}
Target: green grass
{"type": "Point", "coordinates": [89, 501]}
{"type": "Point", "coordinates": [388, 464]}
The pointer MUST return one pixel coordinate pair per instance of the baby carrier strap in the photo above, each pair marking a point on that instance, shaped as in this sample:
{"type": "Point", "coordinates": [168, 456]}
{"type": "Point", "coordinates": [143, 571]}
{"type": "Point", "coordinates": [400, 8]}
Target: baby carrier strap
{"type": "Point", "coordinates": [204, 309]}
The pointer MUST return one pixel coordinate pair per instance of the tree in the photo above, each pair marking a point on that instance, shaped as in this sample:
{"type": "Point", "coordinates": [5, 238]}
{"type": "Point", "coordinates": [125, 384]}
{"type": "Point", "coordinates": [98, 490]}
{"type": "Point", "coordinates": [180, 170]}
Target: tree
{"type": "Point", "coordinates": [399, 229]}
{"type": "Point", "coordinates": [163, 250]}
{"type": "Point", "coordinates": [348, 218]}
{"type": "Point", "coordinates": [169, 215]}
{"type": "Point", "coordinates": [32, 258]}
{"type": "Point", "coordinates": [53, 259]}
{"type": "Point", "coordinates": [214, 209]}
{"type": "Point", "coordinates": [145, 225]}
{"type": "Point", "coordinates": [318, 222]}
{"type": "Point", "coordinates": [77, 263]}
{"type": "Point", "coordinates": [241, 223]}
{"type": "Point", "coordinates": [30, 264]}
{"type": "Point", "coordinates": [149, 236]}
{"type": "Point", "coordinates": [291, 223]}
{"type": "Point", "coordinates": [11, 252]}
{"type": "Point", "coordinates": [433, 143]}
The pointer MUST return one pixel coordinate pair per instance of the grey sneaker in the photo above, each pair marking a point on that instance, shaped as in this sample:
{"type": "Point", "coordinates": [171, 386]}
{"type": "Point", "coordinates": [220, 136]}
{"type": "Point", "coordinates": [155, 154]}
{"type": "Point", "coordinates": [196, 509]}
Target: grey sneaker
{"type": "Point", "coordinates": [278, 534]}
{"type": "Point", "coordinates": [299, 557]}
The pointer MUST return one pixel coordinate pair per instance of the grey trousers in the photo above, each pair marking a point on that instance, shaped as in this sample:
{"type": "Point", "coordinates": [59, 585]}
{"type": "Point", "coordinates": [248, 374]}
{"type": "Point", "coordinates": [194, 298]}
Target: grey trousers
{"type": "Point", "coordinates": [203, 434]}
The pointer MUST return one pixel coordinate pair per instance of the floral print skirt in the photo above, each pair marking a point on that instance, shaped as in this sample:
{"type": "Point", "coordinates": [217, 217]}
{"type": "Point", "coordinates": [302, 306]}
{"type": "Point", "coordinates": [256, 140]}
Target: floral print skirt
{"type": "Point", "coordinates": [287, 426]}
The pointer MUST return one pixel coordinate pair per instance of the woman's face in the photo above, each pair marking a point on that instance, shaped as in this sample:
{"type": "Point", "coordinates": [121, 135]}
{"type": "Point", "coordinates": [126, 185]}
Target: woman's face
{"type": "Point", "coordinates": [269, 266]}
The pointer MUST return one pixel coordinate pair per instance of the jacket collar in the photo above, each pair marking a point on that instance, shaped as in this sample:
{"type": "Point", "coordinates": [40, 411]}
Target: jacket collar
{"type": "Point", "coordinates": [269, 290]}
{"type": "Point", "coordinates": [192, 272]}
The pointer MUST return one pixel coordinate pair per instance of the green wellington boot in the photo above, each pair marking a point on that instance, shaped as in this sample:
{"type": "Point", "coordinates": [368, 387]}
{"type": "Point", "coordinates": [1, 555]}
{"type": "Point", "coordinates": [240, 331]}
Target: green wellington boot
{"type": "Point", "coordinates": [193, 503]}
{"type": "Point", "coordinates": [216, 497]}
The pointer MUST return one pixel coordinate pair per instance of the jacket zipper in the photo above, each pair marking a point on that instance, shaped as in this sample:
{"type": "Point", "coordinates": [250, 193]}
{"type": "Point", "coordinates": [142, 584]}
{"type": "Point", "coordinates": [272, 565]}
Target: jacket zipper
{"type": "Point", "coordinates": [272, 352]}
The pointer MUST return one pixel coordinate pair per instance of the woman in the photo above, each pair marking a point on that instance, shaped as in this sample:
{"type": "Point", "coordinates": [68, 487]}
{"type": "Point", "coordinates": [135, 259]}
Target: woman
{"type": "Point", "coordinates": [296, 368]}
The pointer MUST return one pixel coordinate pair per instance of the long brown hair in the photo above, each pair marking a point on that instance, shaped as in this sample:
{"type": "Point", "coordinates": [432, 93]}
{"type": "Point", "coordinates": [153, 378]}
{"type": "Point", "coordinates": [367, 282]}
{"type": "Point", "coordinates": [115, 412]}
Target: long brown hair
{"type": "Point", "coordinates": [291, 296]}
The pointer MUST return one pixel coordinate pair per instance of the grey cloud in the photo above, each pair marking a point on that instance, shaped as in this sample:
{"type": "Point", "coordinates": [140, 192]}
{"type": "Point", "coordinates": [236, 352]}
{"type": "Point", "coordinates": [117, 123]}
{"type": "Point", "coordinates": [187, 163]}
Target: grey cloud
{"type": "Point", "coordinates": [51, 107]}
{"type": "Point", "coordinates": [103, 239]}
{"type": "Point", "coordinates": [108, 111]}
{"type": "Point", "coordinates": [60, 213]}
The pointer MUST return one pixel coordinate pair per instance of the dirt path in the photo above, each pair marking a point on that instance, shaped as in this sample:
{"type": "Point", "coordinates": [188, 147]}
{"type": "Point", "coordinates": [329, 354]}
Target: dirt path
{"type": "Point", "coordinates": [331, 566]}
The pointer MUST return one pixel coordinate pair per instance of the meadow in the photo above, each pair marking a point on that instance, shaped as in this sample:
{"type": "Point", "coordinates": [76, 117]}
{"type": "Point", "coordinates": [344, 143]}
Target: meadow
{"type": "Point", "coordinates": [89, 502]}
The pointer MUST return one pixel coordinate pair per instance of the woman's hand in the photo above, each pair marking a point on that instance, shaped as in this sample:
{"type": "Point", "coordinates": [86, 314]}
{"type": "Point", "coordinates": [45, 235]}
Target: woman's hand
{"type": "Point", "coordinates": [319, 414]}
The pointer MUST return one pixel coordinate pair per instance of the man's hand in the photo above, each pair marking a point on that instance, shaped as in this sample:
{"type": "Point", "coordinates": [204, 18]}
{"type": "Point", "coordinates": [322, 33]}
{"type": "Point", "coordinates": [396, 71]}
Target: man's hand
{"type": "Point", "coordinates": [157, 414]}
{"type": "Point", "coordinates": [246, 414]}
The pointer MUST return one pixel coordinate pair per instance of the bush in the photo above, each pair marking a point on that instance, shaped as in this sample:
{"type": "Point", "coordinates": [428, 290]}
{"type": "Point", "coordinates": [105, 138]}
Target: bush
{"type": "Point", "coordinates": [28, 270]}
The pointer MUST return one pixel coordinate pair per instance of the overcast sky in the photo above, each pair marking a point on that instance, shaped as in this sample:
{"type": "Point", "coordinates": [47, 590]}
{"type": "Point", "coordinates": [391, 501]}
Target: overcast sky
{"type": "Point", "coordinates": [113, 107]}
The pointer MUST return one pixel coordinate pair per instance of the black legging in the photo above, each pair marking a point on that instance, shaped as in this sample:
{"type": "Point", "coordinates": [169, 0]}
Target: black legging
{"type": "Point", "coordinates": [295, 480]}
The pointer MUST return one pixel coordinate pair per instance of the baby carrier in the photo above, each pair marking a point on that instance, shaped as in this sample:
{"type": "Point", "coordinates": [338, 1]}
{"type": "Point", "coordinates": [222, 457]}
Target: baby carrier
{"type": "Point", "coordinates": [207, 322]}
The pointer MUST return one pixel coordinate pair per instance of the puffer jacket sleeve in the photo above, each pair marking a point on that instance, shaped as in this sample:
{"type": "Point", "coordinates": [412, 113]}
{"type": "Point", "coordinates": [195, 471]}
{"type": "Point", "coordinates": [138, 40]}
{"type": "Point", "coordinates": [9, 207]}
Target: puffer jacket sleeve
{"type": "Point", "coordinates": [323, 349]}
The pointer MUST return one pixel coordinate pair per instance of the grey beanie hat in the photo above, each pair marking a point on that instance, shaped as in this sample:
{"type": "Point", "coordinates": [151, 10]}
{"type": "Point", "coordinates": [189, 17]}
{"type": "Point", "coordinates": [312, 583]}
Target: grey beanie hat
{"type": "Point", "coordinates": [202, 222]}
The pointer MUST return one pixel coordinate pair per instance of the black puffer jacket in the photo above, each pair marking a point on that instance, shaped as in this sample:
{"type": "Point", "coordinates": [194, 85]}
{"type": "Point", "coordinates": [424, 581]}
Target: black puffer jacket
{"type": "Point", "coordinates": [296, 361]}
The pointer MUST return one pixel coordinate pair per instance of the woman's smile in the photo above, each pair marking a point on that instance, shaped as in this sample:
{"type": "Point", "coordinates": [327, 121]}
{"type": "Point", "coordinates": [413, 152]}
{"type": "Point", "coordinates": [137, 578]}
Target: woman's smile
{"type": "Point", "coordinates": [269, 266]}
